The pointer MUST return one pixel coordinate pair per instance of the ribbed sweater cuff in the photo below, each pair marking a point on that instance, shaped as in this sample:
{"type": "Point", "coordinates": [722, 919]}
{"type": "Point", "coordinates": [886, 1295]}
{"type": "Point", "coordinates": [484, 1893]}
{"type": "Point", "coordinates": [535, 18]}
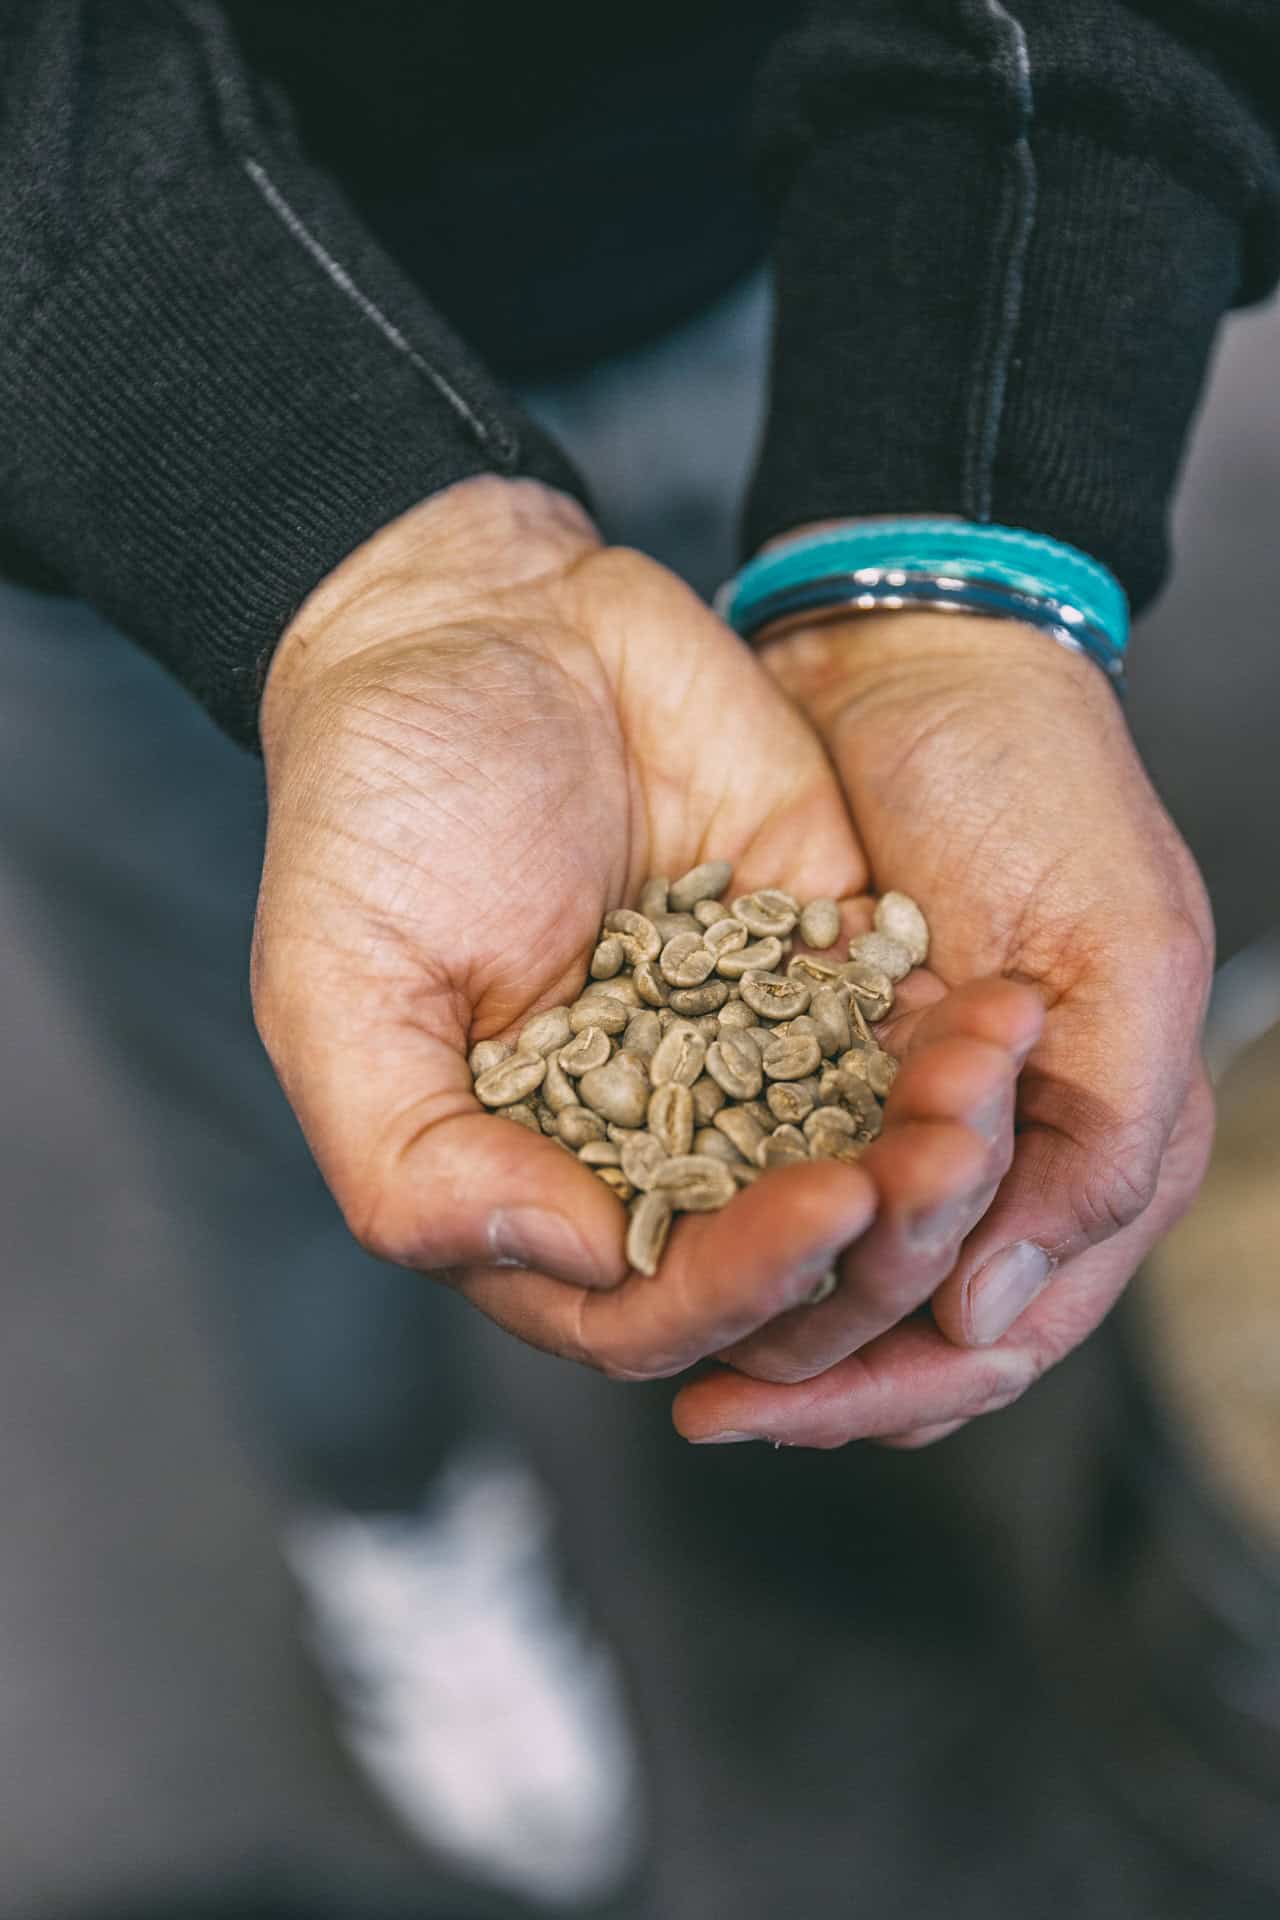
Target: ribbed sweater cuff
{"type": "Point", "coordinates": [908, 376]}
{"type": "Point", "coordinates": [216, 410]}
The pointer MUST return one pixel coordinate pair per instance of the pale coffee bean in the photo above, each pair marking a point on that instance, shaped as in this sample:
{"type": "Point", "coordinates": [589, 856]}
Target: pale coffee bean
{"type": "Point", "coordinates": [653, 896]}
{"type": "Point", "coordinates": [651, 988]}
{"type": "Point", "coordinates": [486, 1054]}
{"type": "Point", "coordinates": [576, 1125]}
{"type": "Point", "coordinates": [621, 987]}
{"type": "Point", "coordinates": [769, 911]}
{"type": "Point", "coordinates": [598, 1010]}
{"type": "Point", "coordinates": [820, 923]}
{"type": "Point", "coordinates": [705, 882]}
{"type": "Point", "coordinates": [829, 1141]}
{"type": "Point", "coordinates": [773, 996]}
{"type": "Point", "coordinates": [762, 956]}
{"type": "Point", "coordinates": [643, 1033]}
{"type": "Point", "coordinates": [685, 962]}
{"type": "Point", "coordinates": [759, 1112]}
{"type": "Point", "coordinates": [557, 1090]}
{"type": "Point", "coordinates": [619, 1090]}
{"type": "Point", "coordinates": [830, 1017]}
{"type": "Point", "coordinates": [743, 1173]}
{"type": "Point", "coordinates": [829, 1120]}
{"type": "Point", "coordinates": [743, 1131]}
{"type": "Point", "coordinates": [882, 1071]}
{"type": "Point", "coordinates": [898, 915]}
{"type": "Point", "coordinates": [511, 1080]}
{"type": "Point", "coordinates": [734, 1064]}
{"type": "Point", "coordinates": [708, 1025]}
{"type": "Point", "coordinates": [641, 1156]}
{"type": "Point", "coordinates": [883, 951]}
{"type": "Point", "coordinates": [791, 1056]}
{"type": "Point", "coordinates": [647, 1231]}
{"type": "Point", "coordinates": [708, 1099]}
{"type": "Point", "coordinates": [607, 958]}
{"type": "Point", "coordinates": [857, 1061]}
{"type": "Point", "coordinates": [681, 1055]}
{"type": "Point", "coordinates": [670, 924]}
{"type": "Point", "coordinates": [712, 1145]}
{"type": "Point", "coordinates": [615, 1178]}
{"type": "Point", "coordinates": [693, 1183]}
{"type": "Point", "coordinates": [735, 1017]}
{"type": "Point", "coordinates": [588, 1050]}
{"type": "Point", "coordinates": [523, 1114]}
{"type": "Point", "coordinates": [546, 1031]}
{"type": "Point", "coordinates": [870, 987]}
{"type": "Point", "coordinates": [812, 971]}
{"type": "Point", "coordinates": [708, 912]}
{"type": "Point", "coordinates": [790, 1102]}
{"type": "Point", "coordinates": [785, 1147]}
{"type": "Point", "coordinates": [708, 998]}
{"type": "Point", "coordinates": [637, 933]}
{"type": "Point", "coordinates": [725, 936]}
{"type": "Point", "coordinates": [600, 1153]}
{"type": "Point", "coordinates": [670, 1117]}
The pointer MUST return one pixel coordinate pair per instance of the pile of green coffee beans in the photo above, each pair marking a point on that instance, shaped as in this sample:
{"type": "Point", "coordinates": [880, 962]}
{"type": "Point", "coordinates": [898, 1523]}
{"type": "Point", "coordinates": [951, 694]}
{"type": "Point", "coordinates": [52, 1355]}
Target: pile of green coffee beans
{"type": "Point", "coordinates": [706, 1049]}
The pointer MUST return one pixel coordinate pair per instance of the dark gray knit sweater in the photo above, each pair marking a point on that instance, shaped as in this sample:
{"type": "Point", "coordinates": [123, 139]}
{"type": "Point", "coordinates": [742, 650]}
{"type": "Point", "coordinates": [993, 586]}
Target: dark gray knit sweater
{"type": "Point", "coordinates": [264, 265]}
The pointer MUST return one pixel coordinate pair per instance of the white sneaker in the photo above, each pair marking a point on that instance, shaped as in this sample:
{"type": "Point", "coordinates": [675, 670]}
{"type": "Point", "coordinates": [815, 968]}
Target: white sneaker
{"type": "Point", "coordinates": [473, 1698]}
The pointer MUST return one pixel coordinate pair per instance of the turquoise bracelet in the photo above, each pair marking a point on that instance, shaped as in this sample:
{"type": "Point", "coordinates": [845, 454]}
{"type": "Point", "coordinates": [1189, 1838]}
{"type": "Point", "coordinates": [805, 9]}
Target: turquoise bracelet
{"type": "Point", "coordinates": [956, 565]}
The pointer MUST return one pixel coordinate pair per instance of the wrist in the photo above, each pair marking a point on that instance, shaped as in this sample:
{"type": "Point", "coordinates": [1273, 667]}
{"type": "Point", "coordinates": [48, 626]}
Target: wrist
{"type": "Point", "coordinates": [448, 557]}
{"type": "Point", "coordinates": [934, 657]}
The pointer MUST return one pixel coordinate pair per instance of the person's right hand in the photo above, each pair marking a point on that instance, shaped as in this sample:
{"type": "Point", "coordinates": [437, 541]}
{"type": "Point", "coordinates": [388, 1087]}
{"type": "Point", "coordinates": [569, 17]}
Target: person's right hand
{"type": "Point", "coordinates": [481, 733]}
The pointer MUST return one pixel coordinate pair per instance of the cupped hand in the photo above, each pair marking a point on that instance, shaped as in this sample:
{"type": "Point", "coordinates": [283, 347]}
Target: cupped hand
{"type": "Point", "coordinates": [990, 774]}
{"type": "Point", "coordinates": [482, 732]}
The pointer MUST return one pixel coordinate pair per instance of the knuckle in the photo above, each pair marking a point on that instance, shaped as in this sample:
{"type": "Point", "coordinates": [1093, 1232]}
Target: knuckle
{"type": "Point", "coordinates": [1115, 1188]}
{"type": "Point", "coordinates": [384, 1223]}
{"type": "Point", "coordinates": [783, 1369]}
{"type": "Point", "coordinates": [1180, 947]}
{"type": "Point", "coordinates": [633, 1371]}
{"type": "Point", "coordinates": [1000, 1385]}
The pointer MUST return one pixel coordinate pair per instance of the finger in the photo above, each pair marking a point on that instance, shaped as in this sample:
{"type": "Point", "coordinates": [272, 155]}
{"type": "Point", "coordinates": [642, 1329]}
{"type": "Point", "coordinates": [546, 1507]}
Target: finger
{"type": "Point", "coordinates": [976, 1303]}
{"type": "Point", "coordinates": [912, 1377]}
{"type": "Point", "coordinates": [1097, 1102]}
{"type": "Point", "coordinates": [931, 1182]}
{"type": "Point", "coordinates": [1004, 1013]}
{"type": "Point", "coordinates": [936, 1168]}
{"type": "Point", "coordinates": [425, 1177]}
{"type": "Point", "coordinates": [722, 1275]}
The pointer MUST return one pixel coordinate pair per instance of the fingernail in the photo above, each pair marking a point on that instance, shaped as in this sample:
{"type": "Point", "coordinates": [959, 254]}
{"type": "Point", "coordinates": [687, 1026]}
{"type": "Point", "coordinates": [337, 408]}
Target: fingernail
{"type": "Point", "coordinates": [1002, 1290]}
{"type": "Point", "coordinates": [527, 1237]}
{"type": "Point", "coordinates": [723, 1439]}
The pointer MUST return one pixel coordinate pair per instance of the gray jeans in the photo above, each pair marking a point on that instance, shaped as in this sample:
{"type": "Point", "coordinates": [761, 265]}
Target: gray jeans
{"type": "Point", "coordinates": [154, 1187]}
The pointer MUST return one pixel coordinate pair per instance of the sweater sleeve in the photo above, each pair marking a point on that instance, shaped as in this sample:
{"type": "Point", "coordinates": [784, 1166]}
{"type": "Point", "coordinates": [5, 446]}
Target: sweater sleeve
{"type": "Point", "coordinates": [213, 384]}
{"type": "Point", "coordinates": [1005, 237]}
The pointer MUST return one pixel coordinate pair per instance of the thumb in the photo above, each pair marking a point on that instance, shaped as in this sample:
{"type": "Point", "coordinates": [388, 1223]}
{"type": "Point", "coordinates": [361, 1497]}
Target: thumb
{"type": "Point", "coordinates": [425, 1177]}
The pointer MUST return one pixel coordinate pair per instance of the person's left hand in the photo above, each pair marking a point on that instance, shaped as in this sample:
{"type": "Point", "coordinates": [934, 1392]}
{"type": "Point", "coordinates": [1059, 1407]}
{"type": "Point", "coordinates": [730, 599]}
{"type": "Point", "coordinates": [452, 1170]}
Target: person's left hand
{"type": "Point", "coordinates": [989, 773]}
